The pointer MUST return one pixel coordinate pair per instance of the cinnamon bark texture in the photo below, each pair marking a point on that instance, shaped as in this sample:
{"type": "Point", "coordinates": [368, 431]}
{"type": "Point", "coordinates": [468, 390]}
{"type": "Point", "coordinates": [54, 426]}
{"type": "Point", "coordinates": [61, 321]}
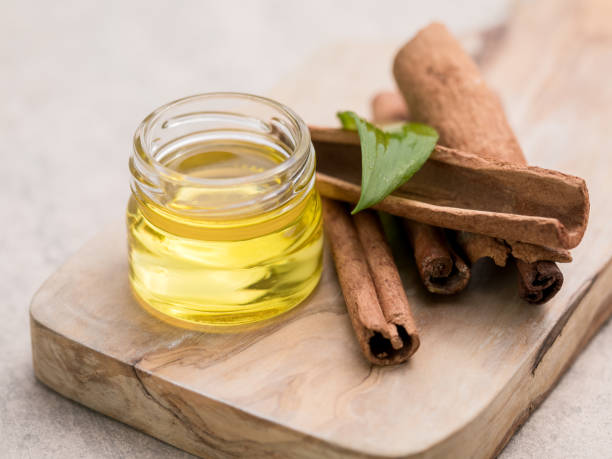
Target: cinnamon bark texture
{"type": "Point", "coordinates": [371, 285]}
{"type": "Point", "coordinates": [462, 191]}
{"type": "Point", "coordinates": [441, 269]}
{"type": "Point", "coordinates": [388, 107]}
{"type": "Point", "coordinates": [444, 88]}
{"type": "Point", "coordinates": [539, 281]}
{"type": "Point", "coordinates": [477, 246]}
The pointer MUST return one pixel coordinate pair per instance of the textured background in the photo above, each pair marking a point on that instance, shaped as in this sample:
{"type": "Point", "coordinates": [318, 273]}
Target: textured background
{"type": "Point", "coordinates": [75, 80]}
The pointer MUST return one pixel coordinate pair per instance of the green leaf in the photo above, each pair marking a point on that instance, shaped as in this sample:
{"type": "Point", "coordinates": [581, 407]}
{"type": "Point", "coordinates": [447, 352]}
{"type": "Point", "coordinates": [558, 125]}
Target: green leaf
{"type": "Point", "coordinates": [347, 119]}
{"type": "Point", "coordinates": [388, 159]}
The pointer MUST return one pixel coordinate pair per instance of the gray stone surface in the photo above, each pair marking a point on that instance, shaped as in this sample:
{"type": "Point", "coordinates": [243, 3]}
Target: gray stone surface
{"type": "Point", "coordinates": [77, 77]}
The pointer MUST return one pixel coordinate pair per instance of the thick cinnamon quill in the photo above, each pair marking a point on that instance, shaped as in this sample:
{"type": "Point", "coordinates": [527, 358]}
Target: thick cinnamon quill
{"type": "Point", "coordinates": [462, 191]}
{"type": "Point", "coordinates": [443, 87]}
{"type": "Point", "coordinates": [441, 269]}
{"type": "Point", "coordinates": [371, 285]}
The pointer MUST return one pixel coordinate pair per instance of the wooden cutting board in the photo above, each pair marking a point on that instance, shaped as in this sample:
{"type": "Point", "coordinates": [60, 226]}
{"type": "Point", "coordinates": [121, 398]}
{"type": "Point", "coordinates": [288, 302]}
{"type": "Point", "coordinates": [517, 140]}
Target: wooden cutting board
{"type": "Point", "coordinates": [299, 387]}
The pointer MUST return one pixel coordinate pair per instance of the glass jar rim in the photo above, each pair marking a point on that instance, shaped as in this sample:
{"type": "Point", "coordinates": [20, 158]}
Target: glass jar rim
{"type": "Point", "coordinates": [300, 152]}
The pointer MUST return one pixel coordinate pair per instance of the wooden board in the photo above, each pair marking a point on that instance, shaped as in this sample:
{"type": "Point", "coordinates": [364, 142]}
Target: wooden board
{"type": "Point", "coordinates": [298, 387]}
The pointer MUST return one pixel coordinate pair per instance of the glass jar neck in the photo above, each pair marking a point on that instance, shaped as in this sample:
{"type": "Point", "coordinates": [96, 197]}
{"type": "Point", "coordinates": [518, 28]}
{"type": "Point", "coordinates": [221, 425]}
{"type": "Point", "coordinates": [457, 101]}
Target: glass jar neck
{"type": "Point", "coordinates": [189, 159]}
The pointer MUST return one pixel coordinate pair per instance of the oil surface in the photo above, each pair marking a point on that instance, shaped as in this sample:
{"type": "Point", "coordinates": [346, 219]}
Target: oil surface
{"type": "Point", "coordinates": [223, 273]}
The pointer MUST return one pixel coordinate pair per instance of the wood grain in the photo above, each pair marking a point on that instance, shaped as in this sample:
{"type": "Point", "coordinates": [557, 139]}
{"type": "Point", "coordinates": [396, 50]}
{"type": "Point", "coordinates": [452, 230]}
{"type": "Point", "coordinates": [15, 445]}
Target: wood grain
{"type": "Point", "coordinates": [299, 387]}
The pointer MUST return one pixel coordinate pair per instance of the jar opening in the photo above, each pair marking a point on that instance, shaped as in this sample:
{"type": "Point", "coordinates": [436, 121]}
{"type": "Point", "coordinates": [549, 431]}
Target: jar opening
{"type": "Point", "coordinates": [222, 155]}
{"type": "Point", "coordinates": [214, 128]}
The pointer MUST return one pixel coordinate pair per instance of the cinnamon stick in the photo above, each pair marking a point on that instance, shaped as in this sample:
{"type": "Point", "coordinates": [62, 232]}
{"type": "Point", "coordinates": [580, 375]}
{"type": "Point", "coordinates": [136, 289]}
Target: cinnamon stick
{"type": "Point", "coordinates": [387, 107]}
{"type": "Point", "coordinates": [461, 191]}
{"type": "Point", "coordinates": [539, 281]}
{"type": "Point", "coordinates": [375, 298]}
{"type": "Point", "coordinates": [443, 87]}
{"type": "Point", "coordinates": [441, 269]}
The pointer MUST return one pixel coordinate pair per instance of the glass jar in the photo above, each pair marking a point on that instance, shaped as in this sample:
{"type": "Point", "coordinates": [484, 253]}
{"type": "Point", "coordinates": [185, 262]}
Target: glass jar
{"type": "Point", "coordinates": [224, 222]}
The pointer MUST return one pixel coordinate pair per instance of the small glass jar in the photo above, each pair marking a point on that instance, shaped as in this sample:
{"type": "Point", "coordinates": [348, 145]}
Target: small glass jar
{"type": "Point", "coordinates": [224, 221]}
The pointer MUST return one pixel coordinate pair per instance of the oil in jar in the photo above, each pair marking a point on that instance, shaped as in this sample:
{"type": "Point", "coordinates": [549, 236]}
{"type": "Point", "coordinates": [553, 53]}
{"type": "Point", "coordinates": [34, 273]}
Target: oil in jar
{"type": "Point", "coordinates": [223, 272]}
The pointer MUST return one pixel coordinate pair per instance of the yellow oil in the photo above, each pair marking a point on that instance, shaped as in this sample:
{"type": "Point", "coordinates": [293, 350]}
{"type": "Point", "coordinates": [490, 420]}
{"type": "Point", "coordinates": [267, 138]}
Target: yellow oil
{"type": "Point", "coordinates": [217, 272]}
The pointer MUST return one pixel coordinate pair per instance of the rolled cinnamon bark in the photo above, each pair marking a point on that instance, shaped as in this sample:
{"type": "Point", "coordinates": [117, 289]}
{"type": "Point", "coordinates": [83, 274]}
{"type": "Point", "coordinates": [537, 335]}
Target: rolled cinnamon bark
{"type": "Point", "coordinates": [441, 269]}
{"type": "Point", "coordinates": [444, 88]}
{"type": "Point", "coordinates": [462, 191]}
{"type": "Point", "coordinates": [388, 106]}
{"type": "Point", "coordinates": [375, 297]}
{"type": "Point", "coordinates": [539, 281]}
